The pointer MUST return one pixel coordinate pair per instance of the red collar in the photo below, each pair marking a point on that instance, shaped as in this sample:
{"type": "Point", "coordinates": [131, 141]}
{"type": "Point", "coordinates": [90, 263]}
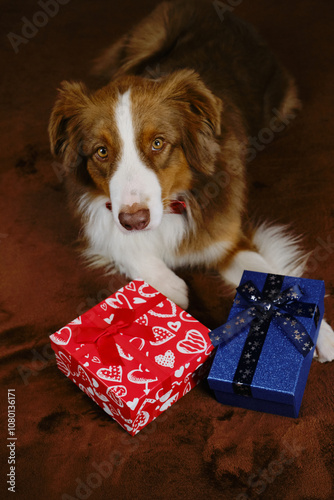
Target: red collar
{"type": "Point", "coordinates": [175, 206]}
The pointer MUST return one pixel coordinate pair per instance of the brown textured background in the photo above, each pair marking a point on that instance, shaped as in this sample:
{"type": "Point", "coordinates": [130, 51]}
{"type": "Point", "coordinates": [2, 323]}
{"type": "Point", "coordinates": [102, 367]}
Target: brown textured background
{"type": "Point", "coordinates": [198, 449]}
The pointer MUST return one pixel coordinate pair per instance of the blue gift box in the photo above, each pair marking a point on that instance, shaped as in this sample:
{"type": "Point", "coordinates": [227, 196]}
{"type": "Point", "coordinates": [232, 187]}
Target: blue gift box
{"type": "Point", "coordinates": [266, 347]}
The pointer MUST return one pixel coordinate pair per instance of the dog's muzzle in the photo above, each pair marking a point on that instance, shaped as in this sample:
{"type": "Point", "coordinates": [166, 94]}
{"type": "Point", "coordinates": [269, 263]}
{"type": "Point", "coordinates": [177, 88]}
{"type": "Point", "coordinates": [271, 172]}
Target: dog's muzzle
{"type": "Point", "coordinates": [136, 217]}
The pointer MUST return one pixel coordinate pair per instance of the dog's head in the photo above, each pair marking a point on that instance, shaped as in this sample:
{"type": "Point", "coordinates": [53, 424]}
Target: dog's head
{"type": "Point", "coordinates": [140, 142]}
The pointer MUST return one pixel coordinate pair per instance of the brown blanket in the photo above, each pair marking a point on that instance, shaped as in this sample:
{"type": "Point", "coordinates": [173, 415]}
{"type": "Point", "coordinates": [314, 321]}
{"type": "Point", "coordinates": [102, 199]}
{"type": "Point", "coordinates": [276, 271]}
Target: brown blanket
{"type": "Point", "coordinates": [66, 447]}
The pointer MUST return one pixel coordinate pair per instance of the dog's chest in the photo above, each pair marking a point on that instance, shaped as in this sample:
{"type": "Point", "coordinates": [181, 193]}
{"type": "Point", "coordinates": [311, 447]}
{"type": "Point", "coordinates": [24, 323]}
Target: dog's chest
{"type": "Point", "coordinates": [107, 240]}
{"type": "Point", "coordinates": [162, 242]}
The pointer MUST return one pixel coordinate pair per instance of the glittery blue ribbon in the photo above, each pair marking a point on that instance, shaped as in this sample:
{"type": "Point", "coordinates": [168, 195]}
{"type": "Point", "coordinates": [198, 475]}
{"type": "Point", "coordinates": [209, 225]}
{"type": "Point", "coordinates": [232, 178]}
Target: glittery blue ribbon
{"type": "Point", "coordinates": [263, 307]}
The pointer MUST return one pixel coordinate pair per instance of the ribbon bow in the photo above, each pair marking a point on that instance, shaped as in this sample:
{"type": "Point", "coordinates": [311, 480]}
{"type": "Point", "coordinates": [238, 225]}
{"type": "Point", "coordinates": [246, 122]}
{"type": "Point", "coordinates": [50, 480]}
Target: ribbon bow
{"type": "Point", "coordinates": [265, 306]}
{"type": "Point", "coordinates": [101, 332]}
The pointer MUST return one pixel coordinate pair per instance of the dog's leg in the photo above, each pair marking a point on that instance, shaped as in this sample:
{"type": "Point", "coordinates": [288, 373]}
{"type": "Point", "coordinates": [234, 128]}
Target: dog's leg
{"type": "Point", "coordinates": [157, 274]}
{"type": "Point", "coordinates": [325, 344]}
{"type": "Point", "coordinates": [277, 253]}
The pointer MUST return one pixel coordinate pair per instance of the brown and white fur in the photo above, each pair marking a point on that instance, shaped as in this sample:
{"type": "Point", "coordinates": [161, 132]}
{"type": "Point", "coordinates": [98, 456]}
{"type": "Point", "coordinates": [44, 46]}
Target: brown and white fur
{"type": "Point", "coordinates": [146, 139]}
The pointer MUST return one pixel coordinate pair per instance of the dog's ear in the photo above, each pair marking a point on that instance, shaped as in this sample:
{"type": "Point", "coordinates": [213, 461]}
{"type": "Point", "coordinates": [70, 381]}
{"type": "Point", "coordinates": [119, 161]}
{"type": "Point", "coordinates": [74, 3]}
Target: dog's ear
{"type": "Point", "coordinates": [65, 116]}
{"type": "Point", "coordinates": [200, 115]}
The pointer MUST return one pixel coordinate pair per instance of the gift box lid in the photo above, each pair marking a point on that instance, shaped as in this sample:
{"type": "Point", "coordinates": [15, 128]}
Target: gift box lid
{"type": "Point", "coordinates": [281, 371]}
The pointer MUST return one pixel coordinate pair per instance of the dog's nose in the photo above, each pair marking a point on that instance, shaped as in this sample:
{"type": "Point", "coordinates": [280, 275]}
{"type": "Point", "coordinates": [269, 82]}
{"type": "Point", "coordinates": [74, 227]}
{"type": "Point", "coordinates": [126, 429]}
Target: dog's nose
{"type": "Point", "coordinates": [135, 220]}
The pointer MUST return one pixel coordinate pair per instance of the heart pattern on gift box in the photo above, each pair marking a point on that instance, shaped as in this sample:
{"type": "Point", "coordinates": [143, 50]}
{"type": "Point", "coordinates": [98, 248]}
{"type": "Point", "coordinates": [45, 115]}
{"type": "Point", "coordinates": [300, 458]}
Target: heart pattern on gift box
{"type": "Point", "coordinates": [115, 392]}
{"type": "Point", "coordinates": [167, 359]}
{"type": "Point", "coordinates": [137, 342]}
{"type": "Point", "coordinates": [140, 376]}
{"type": "Point", "coordinates": [131, 286]}
{"type": "Point", "coordinates": [187, 388]}
{"type": "Point", "coordinates": [123, 354]}
{"type": "Point", "coordinates": [143, 320]}
{"type": "Point", "coordinates": [161, 335]}
{"type": "Point", "coordinates": [139, 300]}
{"type": "Point", "coordinates": [133, 404]}
{"type": "Point", "coordinates": [112, 374]}
{"type": "Point", "coordinates": [110, 319]}
{"type": "Point", "coordinates": [168, 403]}
{"type": "Point", "coordinates": [193, 343]}
{"type": "Point", "coordinates": [140, 420]}
{"type": "Point", "coordinates": [110, 410]}
{"type": "Point", "coordinates": [119, 390]}
{"type": "Point", "coordinates": [174, 325]}
{"type": "Point", "coordinates": [146, 294]}
{"type": "Point", "coordinates": [118, 301]}
{"type": "Point", "coordinates": [63, 363]}
{"type": "Point", "coordinates": [101, 396]}
{"type": "Point", "coordinates": [187, 317]}
{"type": "Point", "coordinates": [209, 349]}
{"type": "Point", "coordinates": [81, 373]}
{"type": "Point", "coordinates": [164, 397]}
{"type": "Point", "coordinates": [62, 336]}
{"type": "Point", "coordinates": [179, 372]}
{"type": "Point", "coordinates": [115, 399]}
{"type": "Point", "coordinates": [169, 311]}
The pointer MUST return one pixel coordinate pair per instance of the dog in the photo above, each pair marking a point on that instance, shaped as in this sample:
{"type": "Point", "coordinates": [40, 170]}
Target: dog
{"type": "Point", "coordinates": [156, 159]}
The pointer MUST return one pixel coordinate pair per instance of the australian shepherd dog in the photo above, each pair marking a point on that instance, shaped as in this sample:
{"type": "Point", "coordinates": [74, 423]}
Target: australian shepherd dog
{"type": "Point", "coordinates": [155, 160]}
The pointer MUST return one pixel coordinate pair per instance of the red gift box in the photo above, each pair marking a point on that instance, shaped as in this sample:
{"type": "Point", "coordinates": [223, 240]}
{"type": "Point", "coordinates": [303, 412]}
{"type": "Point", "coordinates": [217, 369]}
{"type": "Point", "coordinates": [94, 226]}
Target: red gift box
{"type": "Point", "coordinates": [135, 354]}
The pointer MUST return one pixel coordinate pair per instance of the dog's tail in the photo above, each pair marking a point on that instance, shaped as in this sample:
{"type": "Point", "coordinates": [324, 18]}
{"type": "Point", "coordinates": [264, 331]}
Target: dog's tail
{"type": "Point", "coordinates": [275, 251]}
{"type": "Point", "coordinates": [154, 36]}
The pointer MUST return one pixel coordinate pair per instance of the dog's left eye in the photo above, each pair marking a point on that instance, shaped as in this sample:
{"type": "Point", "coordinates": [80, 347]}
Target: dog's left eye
{"type": "Point", "coordinates": [157, 144]}
{"type": "Point", "coordinates": [102, 153]}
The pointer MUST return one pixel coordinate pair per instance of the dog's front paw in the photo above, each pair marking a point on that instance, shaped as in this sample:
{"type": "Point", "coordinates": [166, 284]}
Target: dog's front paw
{"type": "Point", "coordinates": [325, 344]}
{"type": "Point", "coordinates": [155, 272]}
{"type": "Point", "coordinates": [170, 285]}
{"type": "Point", "coordinates": [176, 290]}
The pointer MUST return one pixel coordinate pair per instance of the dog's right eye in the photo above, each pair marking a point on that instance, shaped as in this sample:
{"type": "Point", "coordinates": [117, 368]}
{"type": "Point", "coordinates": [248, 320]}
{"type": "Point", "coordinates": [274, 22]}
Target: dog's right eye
{"type": "Point", "coordinates": [158, 144]}
{"type": "Point", "coordinates": [102, 153]}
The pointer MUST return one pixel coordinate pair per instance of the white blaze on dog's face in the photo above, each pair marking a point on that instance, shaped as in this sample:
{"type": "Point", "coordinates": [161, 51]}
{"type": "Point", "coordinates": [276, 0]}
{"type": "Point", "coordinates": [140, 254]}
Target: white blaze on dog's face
{"type": "Point", "coordinates": [134, 188]}
{"type": "Point", "coordinates": [139, 142]}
